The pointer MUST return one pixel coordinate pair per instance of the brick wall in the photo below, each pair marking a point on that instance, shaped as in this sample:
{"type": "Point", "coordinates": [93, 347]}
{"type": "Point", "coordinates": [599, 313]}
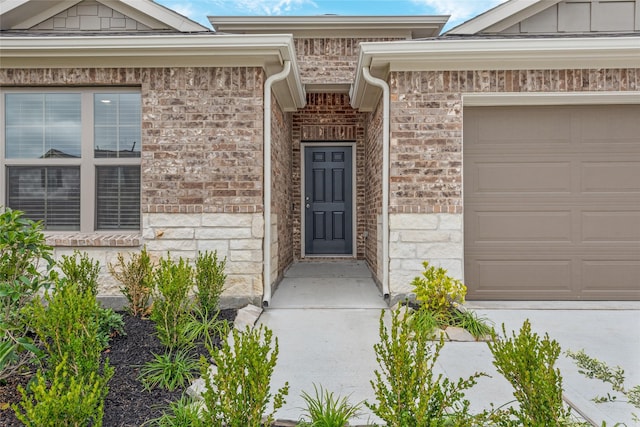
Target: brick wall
{"type": "Point", "coordinates": [329, 60]}
{"type": "Point", "coordinates": [201, 166]}
{"type": "Point", "coordinates": [373, 191]}
{"type": "Point", "coordinates": [282, 193]}
{"type": "Point", "coordinates": [426, 155]}
{"type": "Point", "coordinates": [329, 118]}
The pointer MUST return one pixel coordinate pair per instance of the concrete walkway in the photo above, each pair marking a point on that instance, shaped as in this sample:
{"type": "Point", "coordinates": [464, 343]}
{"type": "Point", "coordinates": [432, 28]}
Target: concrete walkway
{"type": "Point", "coordinates": [326, 315]}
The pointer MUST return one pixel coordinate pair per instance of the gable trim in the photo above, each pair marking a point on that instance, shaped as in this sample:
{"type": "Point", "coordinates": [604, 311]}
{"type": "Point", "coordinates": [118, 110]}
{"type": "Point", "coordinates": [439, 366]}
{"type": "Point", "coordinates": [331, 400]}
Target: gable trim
{"type": "Point", "coordinates": [503, 16]}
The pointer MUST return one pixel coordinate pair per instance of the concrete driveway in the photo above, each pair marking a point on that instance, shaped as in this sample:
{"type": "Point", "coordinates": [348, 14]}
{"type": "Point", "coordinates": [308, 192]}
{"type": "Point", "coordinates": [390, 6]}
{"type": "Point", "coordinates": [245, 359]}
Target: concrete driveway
{"type": "Point", "coordinates": [326, 315]}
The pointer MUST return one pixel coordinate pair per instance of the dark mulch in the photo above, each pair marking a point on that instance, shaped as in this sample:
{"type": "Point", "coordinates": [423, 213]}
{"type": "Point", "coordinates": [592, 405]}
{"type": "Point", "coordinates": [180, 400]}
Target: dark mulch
{"type": "Point", "coordinates": [127, 403]}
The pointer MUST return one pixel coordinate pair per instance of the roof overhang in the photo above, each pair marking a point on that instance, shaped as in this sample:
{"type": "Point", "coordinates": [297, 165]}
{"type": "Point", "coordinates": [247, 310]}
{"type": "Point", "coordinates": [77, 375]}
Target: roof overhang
{"type": "Point", "coordinates": [327, 26]}
{"type": "Point", "coordinates": [488, 54]}
{"type": "Point", "coordinates": [203, 50]}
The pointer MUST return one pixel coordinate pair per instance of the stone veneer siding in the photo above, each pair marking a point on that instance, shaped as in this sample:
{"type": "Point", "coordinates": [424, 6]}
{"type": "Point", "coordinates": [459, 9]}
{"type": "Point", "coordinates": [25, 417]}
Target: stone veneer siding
{"type": "Point", "coordinates": [329, 118]}
{"type": "Point", "coordinates": [426, 155]}
{"type": "Point", "coordinates": [201, 166]}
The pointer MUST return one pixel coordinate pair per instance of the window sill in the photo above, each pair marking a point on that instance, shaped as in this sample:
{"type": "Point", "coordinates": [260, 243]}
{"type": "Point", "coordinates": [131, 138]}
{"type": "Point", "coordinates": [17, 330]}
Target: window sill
{"type": "Point", "coordinates": [57, 239]}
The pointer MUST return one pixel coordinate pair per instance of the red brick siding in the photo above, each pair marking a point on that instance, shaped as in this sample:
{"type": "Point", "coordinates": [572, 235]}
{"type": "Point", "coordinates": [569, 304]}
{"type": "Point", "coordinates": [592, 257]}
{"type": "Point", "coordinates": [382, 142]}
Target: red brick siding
{"type": "Point", "coordinates": [329, 118]}
{"type": "Point", "coordinates": [373, 188]}
{"type": "Point", "coordinates": [329, 60]}
{"type": "Point", "coordinates": [426, 125]}
{"type": "Point", "coordinates": [282, 184]}
{"type": "Point", "coordinates": [201, 132]}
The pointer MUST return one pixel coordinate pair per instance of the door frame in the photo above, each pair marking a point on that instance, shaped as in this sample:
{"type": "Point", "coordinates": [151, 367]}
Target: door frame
{"type": "Point", "coordinates": [354, 210]}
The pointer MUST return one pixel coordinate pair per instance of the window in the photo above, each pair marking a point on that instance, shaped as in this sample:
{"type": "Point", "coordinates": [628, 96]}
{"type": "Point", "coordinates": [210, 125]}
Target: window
{"type": "Point", "coordinates": [71, 158]}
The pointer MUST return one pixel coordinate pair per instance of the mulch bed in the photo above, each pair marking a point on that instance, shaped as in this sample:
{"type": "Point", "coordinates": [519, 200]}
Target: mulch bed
{"type": "Point", "coordinates": [127, 404]}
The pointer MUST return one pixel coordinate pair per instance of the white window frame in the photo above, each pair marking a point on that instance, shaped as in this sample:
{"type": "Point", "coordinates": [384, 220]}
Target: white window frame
{"type": "Point", "coordinates": [87, 162]}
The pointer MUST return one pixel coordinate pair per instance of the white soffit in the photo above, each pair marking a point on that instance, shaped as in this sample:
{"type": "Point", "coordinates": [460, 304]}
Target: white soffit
{"type": "Point", "coordinates": [490, 54]}
{"type": "Point", "coordinates": [326, 26]}
{"type": "Point", "coordinates": [203, 50]}
{"type": "Point", "coordinates": [502, 16]}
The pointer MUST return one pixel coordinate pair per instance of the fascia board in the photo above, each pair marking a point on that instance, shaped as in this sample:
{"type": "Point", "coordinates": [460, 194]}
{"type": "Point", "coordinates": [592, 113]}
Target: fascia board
{"type": "Point", "coordinates": [493, 54]}
{"type": "Point", "coordinates": [268, 52]}
{"type": "Point", "coordinates": [495, 15]}
{"type": "Point", "coordinates": [332, 26]}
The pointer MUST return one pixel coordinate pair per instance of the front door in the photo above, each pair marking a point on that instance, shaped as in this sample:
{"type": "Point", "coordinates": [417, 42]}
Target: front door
{"type": "Point", "coordinates": [328, 200]}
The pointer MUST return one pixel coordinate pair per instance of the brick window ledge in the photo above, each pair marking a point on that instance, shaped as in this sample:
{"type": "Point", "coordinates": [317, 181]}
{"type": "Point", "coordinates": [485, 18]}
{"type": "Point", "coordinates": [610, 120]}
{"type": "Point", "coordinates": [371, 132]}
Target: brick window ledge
{"type": "Point", "coordinates": [93, 239]}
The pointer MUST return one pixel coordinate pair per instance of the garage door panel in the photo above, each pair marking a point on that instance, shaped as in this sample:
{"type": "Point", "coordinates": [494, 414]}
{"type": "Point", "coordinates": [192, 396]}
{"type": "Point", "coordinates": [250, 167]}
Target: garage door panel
{"type": "Point", "coordinates": [523, 177]}
{"type": "Point", "coordinates": [551, 202]}
{"type": "Point", "coordinates": [615, 177]}
{"type": "Point", "coordinates": [516, 126]}
{"type": "Point", "coordinates": [523, 226]}
{"type": "Point", "coordinates": [524, 275]}
{"type": "Point", "coordinates": [611, 227]}
{"type": "Point", "coordinates": [597, 275]}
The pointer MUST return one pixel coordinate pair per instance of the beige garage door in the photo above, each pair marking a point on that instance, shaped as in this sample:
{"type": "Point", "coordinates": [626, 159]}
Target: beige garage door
{"type": "Point", "coordinates": [552, 202]}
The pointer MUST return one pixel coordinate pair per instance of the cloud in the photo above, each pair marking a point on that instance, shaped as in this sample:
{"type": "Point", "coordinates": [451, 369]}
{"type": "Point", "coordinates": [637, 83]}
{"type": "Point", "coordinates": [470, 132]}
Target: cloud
{"type": "Point", "coordinates": [460, 10]}
{"type": "Point", "coordinates": [264, 7]}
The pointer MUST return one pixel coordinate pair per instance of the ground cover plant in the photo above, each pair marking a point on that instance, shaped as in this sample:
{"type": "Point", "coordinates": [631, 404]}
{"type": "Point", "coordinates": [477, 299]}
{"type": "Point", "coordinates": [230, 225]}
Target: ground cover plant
{"type": "Point", "coordinates": [324, 409]}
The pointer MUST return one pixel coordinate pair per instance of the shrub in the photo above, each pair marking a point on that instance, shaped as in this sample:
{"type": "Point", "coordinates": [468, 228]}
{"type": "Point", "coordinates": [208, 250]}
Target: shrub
{"type": "Point", "coordinates": [326, 410]}
{"type": "Point", "coordinates": [407, 391]}
{"type": "Point", "coordinates": [136, 277]}
{"type": "Point", "coordinates": [169, 371]}
{"type": "Point", "coordinates": [22, 275]}
{"type": "Point", "coordinates": [68, 400]}
{"type": "Point", "coordinates": [110, 324]}
{"type": "Point", "coordinates": [80, 269]}
{"type": "Point", "coordinates": [210, 280]}
{"type": "Point", "coordinates": [171, 303]}
{"type": "Point", "coordinates": [68, 327]}
{"type": "Point", "coordinates": [437, 291]}
{"type": "Point", "coordinates": [238, 393]}
{"type": "Point", "coordinates": [527, 362]}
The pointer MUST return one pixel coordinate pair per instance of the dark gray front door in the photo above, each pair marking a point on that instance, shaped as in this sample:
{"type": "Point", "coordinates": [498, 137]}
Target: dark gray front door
{"type": "Point", "coordinates": [328, 200]}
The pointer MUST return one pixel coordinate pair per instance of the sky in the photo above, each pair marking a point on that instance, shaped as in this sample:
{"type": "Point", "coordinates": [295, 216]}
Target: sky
{"type": "Point", "coordinates": [460, 10]}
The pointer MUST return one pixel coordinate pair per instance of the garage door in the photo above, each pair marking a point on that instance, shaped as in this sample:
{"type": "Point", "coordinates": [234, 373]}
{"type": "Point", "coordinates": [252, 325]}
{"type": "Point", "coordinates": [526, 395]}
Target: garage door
{"type": "Point", "coordinates": [552, 202]}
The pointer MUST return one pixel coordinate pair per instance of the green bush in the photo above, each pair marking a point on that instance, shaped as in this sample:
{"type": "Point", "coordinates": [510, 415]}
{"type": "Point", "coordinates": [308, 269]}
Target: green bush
{"type": "Point", "coordinates": [326, 410]}
{"type": "Point", "coordinates": [110, 324]}
{"type": "Point", "coordinates": [25, 269]}
{"type": "Point", "coordinates": [407, 391]}
{"type": "Point", "coordinates": [136, 277]}
{"type": "Point", "coordinates": [437, 291]}
{"type": "Point", "coordinates": [67, 400]}
{"type": "Point", "coordinates": [528, 363]}
{"type": "Point", "coordinates": [80, 269]}
{"type": "Point", "coordinates": [171, 303]}
{"type": "Point", "coordinates": [68, 326]}
{"type": "Point", "coordinates": [210, 280]}
{"type": "Point", "coordinates": [237, 394]}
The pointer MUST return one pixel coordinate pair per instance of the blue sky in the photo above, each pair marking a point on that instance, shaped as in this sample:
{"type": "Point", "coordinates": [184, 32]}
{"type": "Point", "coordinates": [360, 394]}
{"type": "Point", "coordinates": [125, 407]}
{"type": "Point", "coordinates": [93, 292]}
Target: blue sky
{"type": "Point", "coordinates": [460, 10]}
